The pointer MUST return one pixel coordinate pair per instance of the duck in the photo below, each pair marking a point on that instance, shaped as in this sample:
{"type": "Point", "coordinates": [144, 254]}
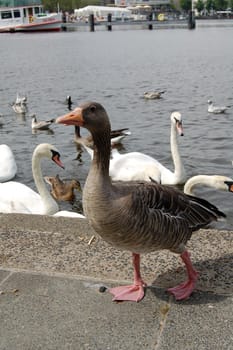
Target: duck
{"type": "Point", "coordinates": [152, 216]}
{"type": "Point", "coordinates": [40, 125]}
{"type": "Point", "coordinates": [117, 136]}
{"type": "Point", "coordinates": [219, 182]}
{"type": "Point", "coordinates": [140, 166]}
{"type": "Point", "coordinates": [1, 121]}
{"type": "Point", "coordinates": [8, 166]}
{"type": "Point", "coordinates": [216, 109]}
{"type": "Point", "coordinates": [153, 95]}
{"type": "Point", "coordinates": [69, 102]}
{"type": "Point", "coordinates": [61, 190]}
{"type": "Point", "coordinates": [16, 197]}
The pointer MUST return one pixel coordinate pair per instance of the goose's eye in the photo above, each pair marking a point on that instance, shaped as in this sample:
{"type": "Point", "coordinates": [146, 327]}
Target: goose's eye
{"type": "Point", "coordinates": [93, 108]}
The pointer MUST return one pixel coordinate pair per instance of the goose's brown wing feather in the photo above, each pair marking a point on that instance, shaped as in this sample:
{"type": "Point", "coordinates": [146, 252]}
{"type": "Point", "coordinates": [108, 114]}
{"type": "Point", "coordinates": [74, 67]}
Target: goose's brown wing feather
{"type": "Point", "coordinates": [194, 210]}
{"type": "Point", "coordinates": [160, 217]}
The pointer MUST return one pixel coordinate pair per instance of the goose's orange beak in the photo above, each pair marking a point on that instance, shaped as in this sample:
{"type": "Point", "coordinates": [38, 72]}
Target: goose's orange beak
{"type": "Point", "coordinates": [73, 118]}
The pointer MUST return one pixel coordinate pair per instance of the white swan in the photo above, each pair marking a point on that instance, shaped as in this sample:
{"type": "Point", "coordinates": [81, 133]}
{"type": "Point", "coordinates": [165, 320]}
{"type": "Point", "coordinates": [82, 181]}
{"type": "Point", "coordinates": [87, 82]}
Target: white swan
{"type": "Point", "coordinates": [139, 166]}
{"type": "Point", "coordinates": [219, 182]}
{"type": "Point", "coordinates": [215, 109]}
{"type": "Point", "coordinates": [71, 214]}
{"type": "Point", "coordinates": [19, 198]}
{"type": "Point", "coordinates": [8, 167]}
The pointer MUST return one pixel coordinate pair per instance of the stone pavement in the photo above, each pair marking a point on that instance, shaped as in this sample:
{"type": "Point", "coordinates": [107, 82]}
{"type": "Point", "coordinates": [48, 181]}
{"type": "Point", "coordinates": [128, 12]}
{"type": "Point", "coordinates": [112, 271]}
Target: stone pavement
{"type": "Point", "coordinates": [51, 271]}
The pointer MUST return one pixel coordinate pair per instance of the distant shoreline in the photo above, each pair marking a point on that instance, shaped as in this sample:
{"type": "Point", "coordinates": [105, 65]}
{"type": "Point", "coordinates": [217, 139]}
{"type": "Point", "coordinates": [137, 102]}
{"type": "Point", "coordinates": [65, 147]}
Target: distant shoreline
{"type": "Point", "coordinates": [131, 25]}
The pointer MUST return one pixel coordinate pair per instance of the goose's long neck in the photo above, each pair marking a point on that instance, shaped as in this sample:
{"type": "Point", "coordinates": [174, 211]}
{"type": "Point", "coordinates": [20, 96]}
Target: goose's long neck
{"type": "Point", "coordinates": [178, 165]}
{"type": "Point", "coordinates": [50, 205]}
{"type": "Point", "coordinates": [197, 180]}
{"type": "Point", "coordinates": [102, 150]}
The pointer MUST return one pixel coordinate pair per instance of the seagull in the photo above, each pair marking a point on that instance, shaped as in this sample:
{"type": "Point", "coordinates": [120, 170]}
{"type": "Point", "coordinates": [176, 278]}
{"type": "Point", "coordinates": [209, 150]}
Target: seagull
{"type": "Point", "coordinates": [41, 125]}
{"type": "Point", "coordinates": [153, 95]}
{"type": "Point", "coordinates": [215, 109]}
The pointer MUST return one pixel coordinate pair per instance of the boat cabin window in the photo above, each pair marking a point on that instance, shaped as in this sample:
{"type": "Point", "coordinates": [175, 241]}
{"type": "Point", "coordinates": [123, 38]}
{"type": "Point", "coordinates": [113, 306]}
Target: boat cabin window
{"type": "Point", "coordinates": [6, 14]}
{"type": "Point", "coordinates": [37, 10]}
{"type": "Point", "coordinates": [16, 13]}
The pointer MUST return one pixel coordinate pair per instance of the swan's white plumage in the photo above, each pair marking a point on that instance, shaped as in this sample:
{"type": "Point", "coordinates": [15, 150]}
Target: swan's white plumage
{"type": "Point", "coordinates": [68, 213]}
{"type": "Point", "coordinates": [140, 166]}
{"type": "Point", "coordinates": [8, 167]}
{"type": "Point", "coordinates": [215, 181]}
{"type": "Point", "coordinates": [16, 197]}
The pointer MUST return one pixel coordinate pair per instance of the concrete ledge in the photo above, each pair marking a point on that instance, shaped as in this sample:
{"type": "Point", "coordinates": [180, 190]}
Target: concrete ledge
{"type": "Point", "coordinates": [50, 273]}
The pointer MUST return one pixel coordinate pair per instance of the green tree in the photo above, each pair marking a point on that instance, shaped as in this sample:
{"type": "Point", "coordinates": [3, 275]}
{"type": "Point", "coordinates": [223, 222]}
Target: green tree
{"type": "Point", "coordinates": [210, 5]}
{"type": "Point", "coordinates": [230, 4]}
{"type": "Point", "coordinates": [200, 5]}
{"type": "Point", "coordinates": [221, 5]}
{"type": "Point", "coordinates": [185, 5]}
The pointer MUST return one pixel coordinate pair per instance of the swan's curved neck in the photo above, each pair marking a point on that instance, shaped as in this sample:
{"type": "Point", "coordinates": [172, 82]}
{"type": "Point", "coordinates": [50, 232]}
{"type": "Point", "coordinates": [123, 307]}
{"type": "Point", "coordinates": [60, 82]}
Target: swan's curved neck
{"type": "Point", "coordinates": [198, 180]}
{"type": "Point", "coordinates": [50, 205]}
{"type": "Point", "coordinates": [178, 165]}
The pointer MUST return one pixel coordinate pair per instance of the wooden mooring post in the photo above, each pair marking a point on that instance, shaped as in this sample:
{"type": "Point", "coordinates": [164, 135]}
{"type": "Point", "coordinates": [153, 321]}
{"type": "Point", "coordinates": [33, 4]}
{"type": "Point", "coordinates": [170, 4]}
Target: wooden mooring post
{"type": "Point", "coordinates": [191, 20]}
{"type": "Point", "coordinates": [150, 25]}
{"type": "Point", "coordinates": [92, 22]}
{"type": "Point", "coordinates": [109, 25]}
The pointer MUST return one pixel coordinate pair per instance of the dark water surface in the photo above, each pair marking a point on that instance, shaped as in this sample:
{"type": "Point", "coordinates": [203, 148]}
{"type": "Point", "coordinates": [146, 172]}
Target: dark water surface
{"type": "Point", "coordinates": [115, 68]}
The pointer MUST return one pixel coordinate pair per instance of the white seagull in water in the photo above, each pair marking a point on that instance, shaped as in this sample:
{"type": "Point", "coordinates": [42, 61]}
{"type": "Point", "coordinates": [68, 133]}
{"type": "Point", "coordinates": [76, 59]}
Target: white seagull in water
{"type": "Point", "coordinates": [216, 109]}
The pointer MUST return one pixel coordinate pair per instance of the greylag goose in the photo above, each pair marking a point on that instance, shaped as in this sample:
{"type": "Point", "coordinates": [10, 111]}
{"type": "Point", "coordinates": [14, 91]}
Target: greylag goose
{"type": "Point", "coordinates": [41, 125]}
{"type": "Point", "coordinates": [63, 190]}
{"type": "Point", "coordinates": [219, 182]}
{"type": "Point", "coordinates": [8, 166]}
{"type": "Point", "coordinates": [153, 95]}
{"type": "Point", "coordinates": [137, 216]}
{"type": "Point", "coordinates": [215, 109]}
{"type": "Point", "coordinates": [16, 197]}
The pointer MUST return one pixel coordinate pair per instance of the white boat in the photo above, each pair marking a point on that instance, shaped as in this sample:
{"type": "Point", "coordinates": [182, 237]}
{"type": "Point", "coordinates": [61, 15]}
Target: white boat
{"type": "Point", "coordinates": [28, 18]}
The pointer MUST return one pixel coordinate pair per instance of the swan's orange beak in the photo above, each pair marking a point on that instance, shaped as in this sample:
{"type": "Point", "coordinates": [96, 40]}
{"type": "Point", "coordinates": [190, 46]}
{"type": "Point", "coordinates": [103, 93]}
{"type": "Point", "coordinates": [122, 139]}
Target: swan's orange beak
{"type": "Point", "coordinates": [75, 117]}
{"type": "Point", "coordinates": [56, 159]}
{"type": "Point", "coordinates": [179, 128]}
{"type": "Point", "coordinates": [230, 185]}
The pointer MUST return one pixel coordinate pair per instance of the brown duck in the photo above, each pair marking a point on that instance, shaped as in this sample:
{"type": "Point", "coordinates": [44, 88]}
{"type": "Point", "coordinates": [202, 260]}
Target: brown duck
{"type": "Point", "coordinates": [63, 190]}
{"type": "Point", "coordinates": [137, 216]}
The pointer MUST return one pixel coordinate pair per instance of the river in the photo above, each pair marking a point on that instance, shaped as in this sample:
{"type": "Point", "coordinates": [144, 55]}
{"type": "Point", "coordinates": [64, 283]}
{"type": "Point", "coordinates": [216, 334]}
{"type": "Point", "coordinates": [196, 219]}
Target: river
{"type": "Point", "coordinates": [115, 68]}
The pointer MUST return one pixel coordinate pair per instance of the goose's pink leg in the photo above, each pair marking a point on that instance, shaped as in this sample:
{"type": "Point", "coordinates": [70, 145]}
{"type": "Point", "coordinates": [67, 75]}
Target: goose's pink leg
{"type": "Point", "coordinates": [184, 290]}
{"type": "Point", "coordinates": [134, 292]}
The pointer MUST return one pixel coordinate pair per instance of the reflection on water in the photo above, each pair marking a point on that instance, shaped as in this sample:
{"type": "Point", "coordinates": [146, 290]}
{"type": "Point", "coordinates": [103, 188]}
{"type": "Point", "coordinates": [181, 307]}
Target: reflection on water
{"type": "Point", "coordinates": [47, 131]}
{"type": "Point", "coordinates": [115, 69]}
